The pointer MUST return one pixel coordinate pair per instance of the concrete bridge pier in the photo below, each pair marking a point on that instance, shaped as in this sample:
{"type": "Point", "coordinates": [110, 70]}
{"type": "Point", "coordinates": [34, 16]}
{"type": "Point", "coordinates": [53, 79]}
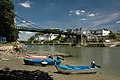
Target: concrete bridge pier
{"type": "Point", "coordinates": [78, 40]}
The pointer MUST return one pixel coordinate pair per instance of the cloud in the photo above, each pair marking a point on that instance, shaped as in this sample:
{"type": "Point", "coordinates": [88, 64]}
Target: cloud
{"type": "Point", "coordinates": [25, 32]}
{"type": "Point", "coordinates": [91, 15]}
{"type": "Point", "coordinates": [76, 12]}
{"type": "Point", "coordinates": [83, 11]}
{"type": "Point", "coordinates": [25, 23]}
{"type": "Point", "coordinates": [84, 19]}
{"type": "Point", "coordinates": [25, 35]}
{"type": "Point", "coordinates": [28, 32]}
{"type": "Point", "coordinates": [20, 31]}
{"type": "Point", "coordinates": [26, 4]}
{"type": "Point", "coordinates": [105, 19]}
{"type": "Point", "coordinates": [118, 22]}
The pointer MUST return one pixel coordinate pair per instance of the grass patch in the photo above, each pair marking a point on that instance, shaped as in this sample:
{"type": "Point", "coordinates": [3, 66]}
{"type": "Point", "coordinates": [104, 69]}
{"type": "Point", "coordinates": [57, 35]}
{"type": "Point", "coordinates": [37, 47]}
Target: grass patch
{"type": "Point", "coordinates": [9, 44]}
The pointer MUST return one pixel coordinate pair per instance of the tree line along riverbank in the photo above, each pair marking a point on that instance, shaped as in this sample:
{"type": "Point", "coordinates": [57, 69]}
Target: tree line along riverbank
{"type": "Point", "coordinates": [112, 44]}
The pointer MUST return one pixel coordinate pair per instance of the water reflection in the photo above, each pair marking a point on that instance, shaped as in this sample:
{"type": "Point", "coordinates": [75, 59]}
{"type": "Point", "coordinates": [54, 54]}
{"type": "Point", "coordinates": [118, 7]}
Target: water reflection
{"type": "Point", "coordinates": [106, 57]}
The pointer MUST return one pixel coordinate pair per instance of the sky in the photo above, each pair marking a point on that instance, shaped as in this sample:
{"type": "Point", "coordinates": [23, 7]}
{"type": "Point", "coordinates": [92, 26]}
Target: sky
{"type": "Point", "coordinates": [67, 14]}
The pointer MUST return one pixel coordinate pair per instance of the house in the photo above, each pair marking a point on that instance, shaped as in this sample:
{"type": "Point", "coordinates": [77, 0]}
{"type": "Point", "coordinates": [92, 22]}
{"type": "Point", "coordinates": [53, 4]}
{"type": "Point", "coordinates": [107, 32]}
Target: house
{"type": "Point", "coordinates": [46, 37]}
{"type": "Point", "coordinates": [40, 38]}
{"type": "Point", "coordinates": [100, 32]}
{"type": "Point", "coordinates": [118, 32]}
{"type": "Point", "coordinates": [98, 35]}
{"type": "Point", "coordinates": [50, 36]}
{"type": "Point", "coordinates": [3, 40]}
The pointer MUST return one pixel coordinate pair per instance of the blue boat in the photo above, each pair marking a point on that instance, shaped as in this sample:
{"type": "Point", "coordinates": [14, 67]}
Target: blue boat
{"type": "Point", "coordinates": [76, 69]}
{"type": "Point", "coordinates": [31, 61]}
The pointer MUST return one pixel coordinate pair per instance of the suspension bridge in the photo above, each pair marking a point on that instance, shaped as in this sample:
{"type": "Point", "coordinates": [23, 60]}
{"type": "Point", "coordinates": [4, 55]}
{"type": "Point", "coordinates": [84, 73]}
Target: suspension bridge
{"type": "Point", "coordinates": [20, 28]}
{"type": "Point", "coordinates": [35, 28]}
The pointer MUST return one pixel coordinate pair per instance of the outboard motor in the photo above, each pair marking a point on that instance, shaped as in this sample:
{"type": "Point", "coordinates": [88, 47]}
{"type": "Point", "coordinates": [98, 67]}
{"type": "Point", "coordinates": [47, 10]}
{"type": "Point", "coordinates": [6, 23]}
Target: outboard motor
{"type": "Point", "coordinates": [93, 65]}
{"type": "Point", "coordinates": [49, 56]}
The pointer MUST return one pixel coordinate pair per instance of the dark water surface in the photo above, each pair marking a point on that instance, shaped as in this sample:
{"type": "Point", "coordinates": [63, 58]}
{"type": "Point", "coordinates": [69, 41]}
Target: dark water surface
{"type": "Point", "coordinates": [108, 58]}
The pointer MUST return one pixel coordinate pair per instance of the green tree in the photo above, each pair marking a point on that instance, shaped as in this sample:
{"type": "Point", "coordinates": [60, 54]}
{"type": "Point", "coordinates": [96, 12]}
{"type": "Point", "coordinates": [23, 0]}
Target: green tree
{"type": "Point", "coordinates": [112, 36]}
{"type": "Point", "coordinates": [7, 21]}
{"type": "Point", "coordinates": [69, 30]}
{"type": "Point", "coordinates": [39, 33]}
{"type": "Point", "coordinates": [31, 39]}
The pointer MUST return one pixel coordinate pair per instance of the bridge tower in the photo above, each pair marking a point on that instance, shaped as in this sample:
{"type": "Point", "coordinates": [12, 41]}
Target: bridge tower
{"type": "Point", "coordinates": [78, 40]}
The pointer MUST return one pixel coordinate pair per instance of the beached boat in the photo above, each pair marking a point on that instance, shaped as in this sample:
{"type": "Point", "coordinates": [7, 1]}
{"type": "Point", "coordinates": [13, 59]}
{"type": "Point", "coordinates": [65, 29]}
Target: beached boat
{"type": "Point", "coordinates": [76, 69]}
{"type": "Point", "coordinates": [36, 57]}
{"type": "Point", "coordinates": [30, 61]}
{"type": "Point", "coordinates": [49, 61]}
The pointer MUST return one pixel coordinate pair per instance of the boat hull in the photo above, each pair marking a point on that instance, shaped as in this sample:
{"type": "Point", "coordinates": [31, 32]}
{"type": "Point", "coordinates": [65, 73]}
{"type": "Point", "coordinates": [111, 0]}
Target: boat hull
{"type": "Point", "coordinates": [29, 61]}
{"type": "Point", "coordinates": [79, 69]}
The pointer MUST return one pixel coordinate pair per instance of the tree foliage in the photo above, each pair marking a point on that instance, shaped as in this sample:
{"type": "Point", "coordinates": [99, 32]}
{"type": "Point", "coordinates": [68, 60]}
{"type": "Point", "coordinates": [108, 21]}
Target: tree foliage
{"type": "Point", "coordinates": [69, 30]}
{"type": "Point", "coordinates": [112, 36]}
{"type": "Point", "coordinates": [53, 29]}
{"type": "Point", "coordinates": [31, 39]}
{"type": "Point", "coordinates": [7, 23]}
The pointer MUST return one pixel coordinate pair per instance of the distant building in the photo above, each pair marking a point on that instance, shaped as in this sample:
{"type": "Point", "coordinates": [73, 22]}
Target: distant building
{"type": "Point", "coordinates": [118, 32]}
{"type": "Point", "coordinates": [78, 31]}
{"type": "Point", "coordinates": [3, 40]}
{"type": "Point", "coordinates": [40, 38]}
{"type": "Point", "coordinates": [46, 37]}
{"type": "Point", "coordinates": [100, 32]}
{"type": "Point", "coordinates": [50, 36]}
{"type": "Point", "coordinates": [63, 36]}
{"type": "Point", "coordinates": [98, 35]}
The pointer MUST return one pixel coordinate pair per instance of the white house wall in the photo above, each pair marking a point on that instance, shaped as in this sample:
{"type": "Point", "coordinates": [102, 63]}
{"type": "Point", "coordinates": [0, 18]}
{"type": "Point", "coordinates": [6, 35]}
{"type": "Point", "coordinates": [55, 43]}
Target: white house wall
{"type": "Point", "coordinates": [41, 38]}
{"type": "Point", "coordinates": [105, 33]}
{"type": "Point", "coordinates": [47, 37]}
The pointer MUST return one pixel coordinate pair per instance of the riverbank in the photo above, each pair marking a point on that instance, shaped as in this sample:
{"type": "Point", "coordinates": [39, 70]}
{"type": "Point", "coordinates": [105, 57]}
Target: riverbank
{"type": "Point", "coordinates": [110, 44]}
{"type": "Point", "coordinates": [15, 62]}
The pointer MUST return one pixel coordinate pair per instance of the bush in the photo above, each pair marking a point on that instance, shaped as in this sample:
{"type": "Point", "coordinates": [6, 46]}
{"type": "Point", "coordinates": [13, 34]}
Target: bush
{"type": "Point", "coordinates": [24, 75]}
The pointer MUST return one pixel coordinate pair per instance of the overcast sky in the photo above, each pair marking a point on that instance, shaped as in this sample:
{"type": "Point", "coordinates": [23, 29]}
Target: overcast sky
{"type": "Point", "coordinates": [64, 14]}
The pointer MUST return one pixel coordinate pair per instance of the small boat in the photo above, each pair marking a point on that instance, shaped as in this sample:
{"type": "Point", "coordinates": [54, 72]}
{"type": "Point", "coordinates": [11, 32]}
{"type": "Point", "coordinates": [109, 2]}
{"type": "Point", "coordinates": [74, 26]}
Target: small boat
{"type": "Point", "coordinates": [36, 57]}
{"type": "Point", "coordinates": [36, 61]}
{"type": "Point", "coordinates": [76, 69]}
{"type": "Point", "coordinates": [30, 61]}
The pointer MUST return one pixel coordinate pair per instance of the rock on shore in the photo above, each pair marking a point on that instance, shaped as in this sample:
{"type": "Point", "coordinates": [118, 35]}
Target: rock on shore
{"type": "Point", "coordinates": [6, 52]}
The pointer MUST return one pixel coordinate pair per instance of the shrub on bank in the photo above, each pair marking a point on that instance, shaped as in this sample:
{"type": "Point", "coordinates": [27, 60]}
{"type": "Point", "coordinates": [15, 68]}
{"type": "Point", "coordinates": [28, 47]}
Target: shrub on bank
{"type": "Point", "coordinates": [24, 75]}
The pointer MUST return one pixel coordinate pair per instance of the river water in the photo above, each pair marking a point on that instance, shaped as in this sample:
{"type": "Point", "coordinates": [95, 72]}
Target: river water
{"type": "Point", "coordinates": [107, 57]}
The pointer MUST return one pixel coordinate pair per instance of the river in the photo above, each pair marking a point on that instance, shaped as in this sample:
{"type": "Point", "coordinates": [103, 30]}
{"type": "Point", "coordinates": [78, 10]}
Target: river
{"type": "Point", "coordinates": [107, 57]}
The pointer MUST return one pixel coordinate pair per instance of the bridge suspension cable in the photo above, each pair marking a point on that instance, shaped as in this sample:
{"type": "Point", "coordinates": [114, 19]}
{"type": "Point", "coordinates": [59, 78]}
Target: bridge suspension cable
{"type": "Point", "coordinates": [21, 20]}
